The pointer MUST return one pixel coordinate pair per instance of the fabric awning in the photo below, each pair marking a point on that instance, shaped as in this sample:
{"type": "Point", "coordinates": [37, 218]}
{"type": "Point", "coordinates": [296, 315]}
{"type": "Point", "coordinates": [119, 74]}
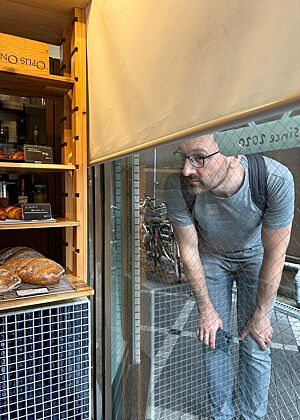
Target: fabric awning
{"type": "Point", "coordinates": [158, 70]}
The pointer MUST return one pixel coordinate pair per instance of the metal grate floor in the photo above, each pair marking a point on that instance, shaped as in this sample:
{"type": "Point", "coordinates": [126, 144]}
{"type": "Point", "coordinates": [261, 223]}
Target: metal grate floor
{"type": "Point", "coordinates": [177, 388]}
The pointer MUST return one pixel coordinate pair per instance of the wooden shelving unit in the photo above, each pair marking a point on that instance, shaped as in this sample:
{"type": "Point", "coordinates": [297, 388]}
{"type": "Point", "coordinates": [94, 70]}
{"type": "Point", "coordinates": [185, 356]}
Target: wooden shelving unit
{"type": "Point", "coordinates": [69, 91]}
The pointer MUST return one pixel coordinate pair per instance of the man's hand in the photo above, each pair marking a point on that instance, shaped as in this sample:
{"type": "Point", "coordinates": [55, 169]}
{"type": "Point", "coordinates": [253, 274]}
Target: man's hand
{"type": "Point", "coordinates": [260, 328]}
{"type": "Point", "coordinates": [208, 322]}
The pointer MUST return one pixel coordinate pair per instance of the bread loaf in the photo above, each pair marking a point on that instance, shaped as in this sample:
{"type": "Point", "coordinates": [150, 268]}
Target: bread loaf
{"type": "Point", "coordinates": [8, 281]}
{"type": "Point", "coordinates": [8, 254]}
{"type": "Point", "coordinates": [38, 271]}
{"type": "Point", "coordinates": [16, 264]}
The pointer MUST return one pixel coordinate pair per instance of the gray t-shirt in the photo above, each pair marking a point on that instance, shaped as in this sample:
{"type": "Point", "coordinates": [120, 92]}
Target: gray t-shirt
{"type": "Point", "coordinates": [230, 225]}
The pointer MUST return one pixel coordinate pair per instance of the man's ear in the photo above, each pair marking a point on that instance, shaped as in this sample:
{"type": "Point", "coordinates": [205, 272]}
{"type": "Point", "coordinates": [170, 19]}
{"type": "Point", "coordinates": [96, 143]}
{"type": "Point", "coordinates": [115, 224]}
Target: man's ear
{"type": "Point", "coordinates": [234, 161]}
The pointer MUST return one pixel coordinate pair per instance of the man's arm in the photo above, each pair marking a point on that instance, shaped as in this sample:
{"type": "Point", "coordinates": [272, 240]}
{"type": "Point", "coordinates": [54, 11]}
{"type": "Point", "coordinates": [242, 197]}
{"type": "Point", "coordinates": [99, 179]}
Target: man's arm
{"type": "Point", "coordinates": [275, 243]}
{"type": "Point", "coordinates": [208, 320]}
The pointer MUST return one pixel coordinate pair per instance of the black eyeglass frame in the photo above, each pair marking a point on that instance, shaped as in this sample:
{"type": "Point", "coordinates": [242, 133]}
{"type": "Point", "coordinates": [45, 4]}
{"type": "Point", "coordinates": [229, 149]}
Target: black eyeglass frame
{"type": "Point", "coordinates": [183, 157]}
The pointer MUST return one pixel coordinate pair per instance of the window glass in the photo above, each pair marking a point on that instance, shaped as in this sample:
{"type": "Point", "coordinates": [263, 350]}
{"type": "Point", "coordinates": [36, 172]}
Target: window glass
{"type": "Point", "coordinates": [203, 280]}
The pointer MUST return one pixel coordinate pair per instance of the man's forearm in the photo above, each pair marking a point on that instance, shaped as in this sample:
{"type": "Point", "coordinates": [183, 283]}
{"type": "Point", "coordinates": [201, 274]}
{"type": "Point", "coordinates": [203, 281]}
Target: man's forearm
{"type": "Point", "coordinates": [269, 281]}
{"type": "Point", "coordinates": [187, 239]}
{"type": "Point", "coordinates": [275, 243]}
{"type": "Point", "coordinates": [196, 278]}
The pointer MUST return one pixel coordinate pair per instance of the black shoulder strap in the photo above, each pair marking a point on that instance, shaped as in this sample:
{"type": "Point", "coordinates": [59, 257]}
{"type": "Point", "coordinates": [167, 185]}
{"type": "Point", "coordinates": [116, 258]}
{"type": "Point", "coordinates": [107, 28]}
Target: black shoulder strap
{"type": "Point", "coordinates": [258, 180]}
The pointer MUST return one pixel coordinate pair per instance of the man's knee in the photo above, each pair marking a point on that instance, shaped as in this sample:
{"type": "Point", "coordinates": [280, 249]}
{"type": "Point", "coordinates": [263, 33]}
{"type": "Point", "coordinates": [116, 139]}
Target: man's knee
{"type": "Point", "coordinates": [251, 350]}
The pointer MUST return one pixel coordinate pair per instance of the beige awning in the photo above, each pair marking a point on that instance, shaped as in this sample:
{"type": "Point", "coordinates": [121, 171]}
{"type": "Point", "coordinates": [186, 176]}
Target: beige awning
{"type": "Point", "coordinates": [161, 69]}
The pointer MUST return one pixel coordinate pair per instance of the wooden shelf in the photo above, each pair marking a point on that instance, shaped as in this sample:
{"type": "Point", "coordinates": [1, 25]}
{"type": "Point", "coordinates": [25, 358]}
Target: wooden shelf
{"type": "Point", "coordinates": [21, 168]}
{"type": "Point", "coordinates": [33, 84]}
{"type": "Point", "coordinates": [82, 289]}
{"type": "Point", "coordinates": [40, 225]}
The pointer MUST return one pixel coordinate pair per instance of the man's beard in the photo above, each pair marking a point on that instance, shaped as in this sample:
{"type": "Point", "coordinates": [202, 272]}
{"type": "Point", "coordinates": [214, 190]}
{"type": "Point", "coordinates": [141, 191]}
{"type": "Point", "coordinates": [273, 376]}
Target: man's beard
{"type": "Point", "coordinates": [204, 185]}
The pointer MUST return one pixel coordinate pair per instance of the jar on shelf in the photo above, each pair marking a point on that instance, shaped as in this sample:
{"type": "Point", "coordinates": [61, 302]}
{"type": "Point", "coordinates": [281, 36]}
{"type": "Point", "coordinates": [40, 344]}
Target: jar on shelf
{"type": "Point", "coordinates": [39, 194]}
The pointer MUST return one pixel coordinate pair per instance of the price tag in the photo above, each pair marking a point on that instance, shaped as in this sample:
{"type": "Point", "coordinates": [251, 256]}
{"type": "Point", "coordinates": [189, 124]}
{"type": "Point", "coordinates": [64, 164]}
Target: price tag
{"type": "Point", "coordinates": [40, 154]}
{"type": "Point", "coordinates": [36, 211]}
{"type": "Point", "coordinates": [31, 292]}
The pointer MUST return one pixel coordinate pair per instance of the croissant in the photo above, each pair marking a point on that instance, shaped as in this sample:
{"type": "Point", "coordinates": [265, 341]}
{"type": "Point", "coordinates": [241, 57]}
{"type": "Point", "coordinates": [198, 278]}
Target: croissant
{"type": "Point", "coordinates": [3, 155]}
{"type": "Point", "coordinates": [3, 214]}
{"type": "Point", "coordinates": [18, 154]}
{"type": "Point", "coordinates": [13, 212]}
{"type": "Point", "coordinates": [7, 208]}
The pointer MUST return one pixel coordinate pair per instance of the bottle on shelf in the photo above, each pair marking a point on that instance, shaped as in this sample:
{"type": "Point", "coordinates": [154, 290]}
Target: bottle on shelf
{"type": "Point", "coordinates": [12, 188]}
{"type": "Point", "coordinates": [4, 134]}
{"type": "Point", "coordinates": [21, 132]}
{"type": "Point", "coordinates": [22, 197]}
{"type": "Point", "coordinates": [39, 193]}
{"type": "Point", "coordinates": [4, 201]}
{"type": "Point", "coordinates": [36, 134]}
{"type": "Point", "coordinates": [8, 190]}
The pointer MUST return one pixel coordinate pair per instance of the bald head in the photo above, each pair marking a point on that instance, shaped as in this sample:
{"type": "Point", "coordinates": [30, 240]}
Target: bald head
{"type": "Point", "coordinates": [203, 144]}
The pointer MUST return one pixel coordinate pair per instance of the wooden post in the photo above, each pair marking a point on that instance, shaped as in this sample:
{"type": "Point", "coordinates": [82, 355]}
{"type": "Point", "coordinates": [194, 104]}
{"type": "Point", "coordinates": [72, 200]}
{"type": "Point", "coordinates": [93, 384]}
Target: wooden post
{"type": "Point", "coordinates": [66, 151]}
{"type": "Point", "coordinates": [79, 142]}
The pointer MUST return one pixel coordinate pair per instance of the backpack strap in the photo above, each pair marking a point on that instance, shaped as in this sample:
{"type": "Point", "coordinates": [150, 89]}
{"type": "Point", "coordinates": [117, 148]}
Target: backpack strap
{"type": "Point", "coordinates": [258, 180]}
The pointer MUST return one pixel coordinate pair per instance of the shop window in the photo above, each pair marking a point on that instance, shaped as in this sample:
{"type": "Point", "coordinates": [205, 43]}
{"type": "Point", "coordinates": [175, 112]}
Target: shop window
{"type": "Point", "coordinates": [165, 233]}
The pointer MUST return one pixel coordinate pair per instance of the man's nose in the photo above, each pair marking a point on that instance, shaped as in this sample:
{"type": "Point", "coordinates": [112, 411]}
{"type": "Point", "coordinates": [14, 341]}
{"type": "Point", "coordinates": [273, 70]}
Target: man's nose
{"type": "Point", "coordinates": [188, 168]}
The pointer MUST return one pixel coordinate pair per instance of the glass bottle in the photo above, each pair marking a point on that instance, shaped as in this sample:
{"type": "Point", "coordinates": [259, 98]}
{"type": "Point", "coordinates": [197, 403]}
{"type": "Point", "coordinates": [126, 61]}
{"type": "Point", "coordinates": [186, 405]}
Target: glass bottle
{"type": "Point", "coordinates": [39, 194]}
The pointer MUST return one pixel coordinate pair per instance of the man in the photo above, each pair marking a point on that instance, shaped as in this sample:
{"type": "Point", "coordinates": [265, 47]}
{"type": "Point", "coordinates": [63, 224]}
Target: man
{"type": "Point", "coordinates": [225, 238]}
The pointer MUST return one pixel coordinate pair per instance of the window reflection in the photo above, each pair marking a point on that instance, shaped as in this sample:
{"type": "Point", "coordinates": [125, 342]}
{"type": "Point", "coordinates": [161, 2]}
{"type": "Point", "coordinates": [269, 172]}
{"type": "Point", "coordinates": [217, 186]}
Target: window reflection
{"type": "Point", "coordinates": [187, 240]}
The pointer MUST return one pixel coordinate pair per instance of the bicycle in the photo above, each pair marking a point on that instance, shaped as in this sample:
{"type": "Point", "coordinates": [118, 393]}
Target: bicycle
{"type": "Point", "coordinates": [158, 238]}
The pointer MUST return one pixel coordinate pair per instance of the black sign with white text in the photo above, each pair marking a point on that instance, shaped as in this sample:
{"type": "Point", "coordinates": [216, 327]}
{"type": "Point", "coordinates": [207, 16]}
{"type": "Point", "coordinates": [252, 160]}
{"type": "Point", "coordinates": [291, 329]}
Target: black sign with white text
{"type": "Point", "coordinates": [33, 211]}
{"type": "Point", "coordinates": [36, 153]}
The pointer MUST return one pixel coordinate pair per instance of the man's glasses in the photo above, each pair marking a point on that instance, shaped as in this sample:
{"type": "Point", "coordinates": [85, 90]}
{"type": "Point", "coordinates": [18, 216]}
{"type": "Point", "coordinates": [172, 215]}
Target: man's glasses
{"type": "Point", "coordinates": [196, 160]}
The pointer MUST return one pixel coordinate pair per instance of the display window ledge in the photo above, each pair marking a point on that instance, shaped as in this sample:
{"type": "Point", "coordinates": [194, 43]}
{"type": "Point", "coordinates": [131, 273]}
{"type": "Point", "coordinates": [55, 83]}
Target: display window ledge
{"type": "Point", "coordinates": [21, 224]}
{"type": "Point", "coordinates": [82, 289]}
{"type": "Point", "coordinates": [21, 168]}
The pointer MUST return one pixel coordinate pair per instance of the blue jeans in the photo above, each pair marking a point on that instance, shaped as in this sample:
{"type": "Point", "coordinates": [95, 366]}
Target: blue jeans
{"type": "Point", "coordinates": [254, 367]}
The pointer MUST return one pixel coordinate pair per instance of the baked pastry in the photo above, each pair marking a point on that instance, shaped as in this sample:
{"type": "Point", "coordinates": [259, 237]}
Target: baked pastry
{"type": "Point", "coordinates": [8, 254]}
{"type": "Point", "coordinates": [3, 214]}
{"type": "Point", "coordinates": [3, 155]}
{"type": "Point", "coordinates": [13, 212]}
{"type": "Point", "coordinates": [38, 271]}
{"type": "Point", "coordinates": [8, 281]}
{"type": "Point", "coordinates": [18, 154]}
